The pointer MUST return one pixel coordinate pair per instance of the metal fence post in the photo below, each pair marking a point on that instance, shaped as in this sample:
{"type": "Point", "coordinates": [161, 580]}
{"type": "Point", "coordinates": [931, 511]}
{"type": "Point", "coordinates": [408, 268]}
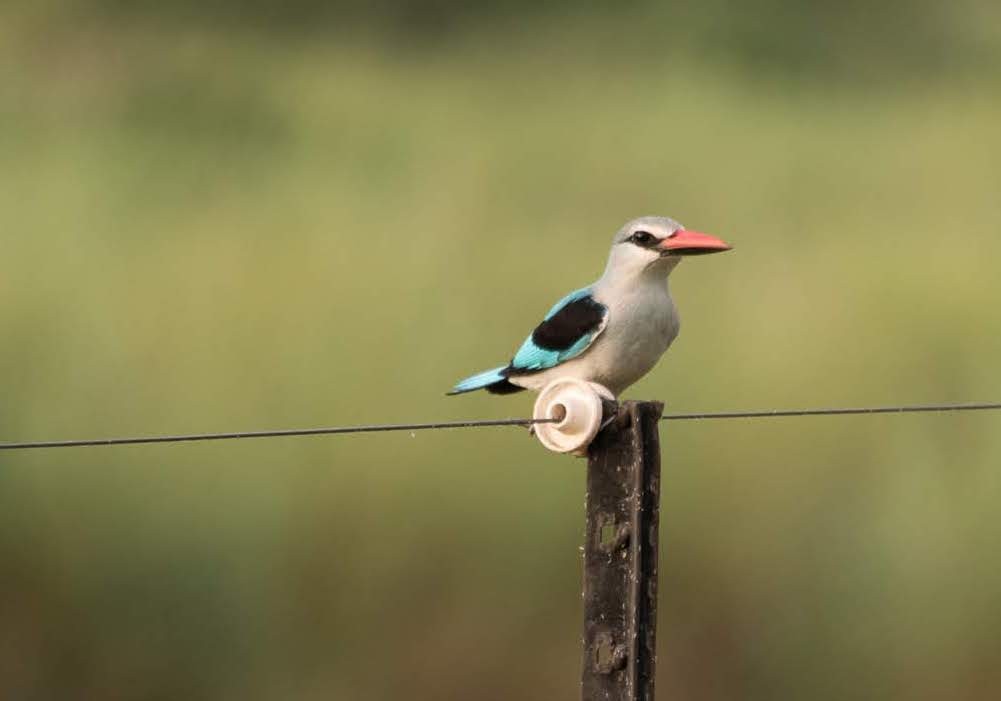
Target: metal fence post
{"type": "Point", "coordinates": [620, 557]}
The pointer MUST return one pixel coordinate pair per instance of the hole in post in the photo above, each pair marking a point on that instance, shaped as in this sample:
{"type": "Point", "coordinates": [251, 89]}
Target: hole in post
{"type": "Point", "coordinates": [608, 657]}
{"type": "Point", "coordinates": [609, 533]}
{"type": "Point", "coordinates": [604, 654]}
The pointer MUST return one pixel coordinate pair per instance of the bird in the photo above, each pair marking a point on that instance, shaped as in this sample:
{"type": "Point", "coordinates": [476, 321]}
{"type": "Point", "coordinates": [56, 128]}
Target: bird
{"type": "Point", "coordinates": [613, 331]}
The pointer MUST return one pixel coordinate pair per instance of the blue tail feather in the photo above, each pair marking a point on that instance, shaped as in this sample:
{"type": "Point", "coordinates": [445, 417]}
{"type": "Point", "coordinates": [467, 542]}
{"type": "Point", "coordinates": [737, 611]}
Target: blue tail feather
{"type": "Point", "coordinates": [480, 380]}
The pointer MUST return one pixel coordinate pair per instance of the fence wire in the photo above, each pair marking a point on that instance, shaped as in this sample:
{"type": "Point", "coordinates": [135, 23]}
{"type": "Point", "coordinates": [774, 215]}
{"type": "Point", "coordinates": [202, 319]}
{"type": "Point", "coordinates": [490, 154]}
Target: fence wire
{"type": "Point", "coordinates": [440, 425]}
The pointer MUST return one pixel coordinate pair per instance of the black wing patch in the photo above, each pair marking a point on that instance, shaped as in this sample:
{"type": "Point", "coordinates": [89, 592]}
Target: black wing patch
{"type": "Point", "coordinates": [504, 387]}
{"type": "Point", "coordinates": [567, 326]}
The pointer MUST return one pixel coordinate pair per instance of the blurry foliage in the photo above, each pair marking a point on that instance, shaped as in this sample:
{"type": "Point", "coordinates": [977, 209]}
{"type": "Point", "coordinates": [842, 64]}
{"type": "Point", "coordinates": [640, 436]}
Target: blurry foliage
{"type": "Point", "coordinates": [209, 228]}
{"type": "Point", "coordinates": [784, 36]}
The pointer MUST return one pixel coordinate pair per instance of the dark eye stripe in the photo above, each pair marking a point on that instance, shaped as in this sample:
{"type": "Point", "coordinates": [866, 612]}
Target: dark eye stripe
{"type": "Point", "coordinates": [643, 238]}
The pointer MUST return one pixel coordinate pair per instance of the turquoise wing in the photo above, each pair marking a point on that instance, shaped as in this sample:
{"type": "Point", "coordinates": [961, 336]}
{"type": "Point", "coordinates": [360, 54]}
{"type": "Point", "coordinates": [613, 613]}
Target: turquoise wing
{"type": "Point", "coordinates": [569, 328]}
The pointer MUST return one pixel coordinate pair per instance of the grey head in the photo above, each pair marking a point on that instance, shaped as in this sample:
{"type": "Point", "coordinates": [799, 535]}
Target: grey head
{"type": "Point", "coordinates": [653, 246]}
{"type": "Point", "coordinates": [661, 227]}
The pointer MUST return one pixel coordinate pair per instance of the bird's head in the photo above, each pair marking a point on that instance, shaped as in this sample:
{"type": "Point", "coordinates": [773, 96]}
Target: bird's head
{"type": "Point", "coordinates": [656, 245]}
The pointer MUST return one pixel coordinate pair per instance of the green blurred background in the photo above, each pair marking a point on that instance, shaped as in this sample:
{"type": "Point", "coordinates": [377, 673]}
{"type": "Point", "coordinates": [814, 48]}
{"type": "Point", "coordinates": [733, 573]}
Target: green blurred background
{"type": "Point", "coordinates": [223, 215]}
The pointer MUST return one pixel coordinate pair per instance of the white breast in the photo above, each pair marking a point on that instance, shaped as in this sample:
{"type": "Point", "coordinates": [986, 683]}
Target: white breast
{"type": "Point", "coordinates": [641, 326]}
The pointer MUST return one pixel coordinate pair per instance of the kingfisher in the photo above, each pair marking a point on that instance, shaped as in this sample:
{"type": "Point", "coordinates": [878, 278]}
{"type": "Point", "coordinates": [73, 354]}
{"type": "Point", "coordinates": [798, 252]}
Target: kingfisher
{"type": "Point", "coordinates": [613, 331]}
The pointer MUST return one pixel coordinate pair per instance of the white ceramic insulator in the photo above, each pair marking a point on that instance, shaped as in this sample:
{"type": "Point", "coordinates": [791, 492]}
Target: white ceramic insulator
{"type": "Point", "coordinates": [578, 406]}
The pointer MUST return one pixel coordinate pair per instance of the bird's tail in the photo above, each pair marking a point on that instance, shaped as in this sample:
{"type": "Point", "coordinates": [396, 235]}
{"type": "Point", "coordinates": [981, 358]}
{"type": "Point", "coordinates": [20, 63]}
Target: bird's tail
{"type": "Point", "coordinates": [481, 380]}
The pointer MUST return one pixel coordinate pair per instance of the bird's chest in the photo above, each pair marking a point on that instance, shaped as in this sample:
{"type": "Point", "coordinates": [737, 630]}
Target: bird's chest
{"type": "Point", "coordinates": [644, 324]}
{"type": "Point", "coordinates": [640, 328]}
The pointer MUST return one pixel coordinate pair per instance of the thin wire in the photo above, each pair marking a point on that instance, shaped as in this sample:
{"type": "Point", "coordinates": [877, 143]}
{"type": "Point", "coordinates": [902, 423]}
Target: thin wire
{"type": "Point", "coordinates": [333, 430]}
{"type": "Point", "coordinates": [378, 428]}
{"type": "Point", "coordinates": [773, 413]}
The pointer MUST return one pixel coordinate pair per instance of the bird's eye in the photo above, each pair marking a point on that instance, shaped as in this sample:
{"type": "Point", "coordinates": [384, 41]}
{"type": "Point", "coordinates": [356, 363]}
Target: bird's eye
{"type": "Point", "coordinates": [642, 238]}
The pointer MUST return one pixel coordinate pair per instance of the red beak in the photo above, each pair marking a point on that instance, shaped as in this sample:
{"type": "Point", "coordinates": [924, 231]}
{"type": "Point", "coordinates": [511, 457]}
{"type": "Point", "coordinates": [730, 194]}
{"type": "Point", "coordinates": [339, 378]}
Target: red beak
{"type": "Point", "coordinates": [692, 243]}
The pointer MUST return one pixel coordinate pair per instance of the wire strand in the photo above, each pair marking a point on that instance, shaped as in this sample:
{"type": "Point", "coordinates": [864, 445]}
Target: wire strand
{"type": "Point", "coordinates": [382, 428]}
{"type": "Point", "coordinates": [279, 433]}
{"type": "Point", "coordinates": [845, 411]}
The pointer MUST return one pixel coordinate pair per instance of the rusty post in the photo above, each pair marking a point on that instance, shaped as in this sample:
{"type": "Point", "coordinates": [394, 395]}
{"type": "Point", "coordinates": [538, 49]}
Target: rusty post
{"type": "Point", "coordinates": [620, 557]}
